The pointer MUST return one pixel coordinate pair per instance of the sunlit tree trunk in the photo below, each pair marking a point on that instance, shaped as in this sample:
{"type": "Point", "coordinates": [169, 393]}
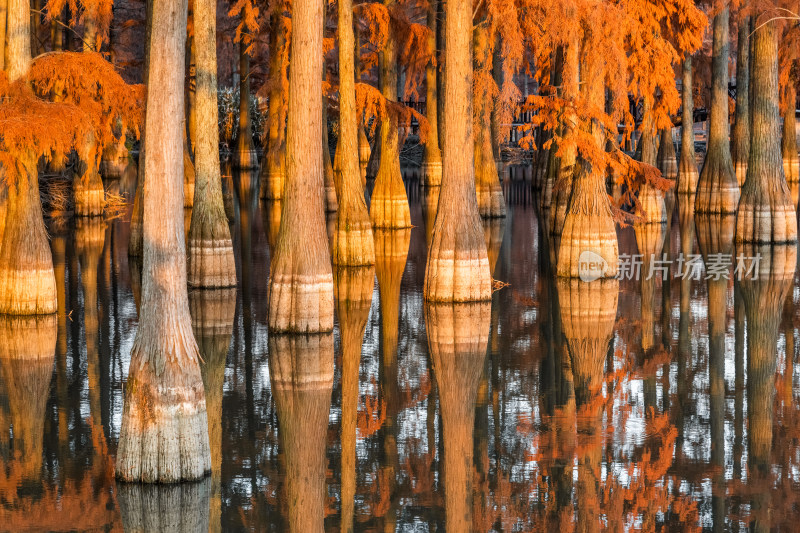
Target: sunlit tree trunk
{"type": "Point", "coordinates": [740, 145]}
{"type": "Point", "coordinates": [88, 191]}
{"type": "Point", "coordinates": [211, 260]}
{"type": "Point", "coordinates": [301, 371]}
{"type": "Point", "coordinates": [766, 212]}
{"type": "Point", "coordinates": [432, 156]}
{"type": "Point", "coordinates": [245, 156]}
{"type": "Point", "coordinates": [331, 202]}
{"type": "Point", "coordinates": [3, 20]}
{"type": "Point", "coordinates": [565, 167]}
{"type": "Point", "coordinates": [687, 169]}
{"type": "Point", "coordinates": [353, 242]}
{"type": "Point", "coordinates": [273, 168]}
{"type": "Point", "coordinates": [18, 39]}
{"type": "Point", "coordinates": [301, 281]}
{"type": "Point", "coordinates": [717, 188]}
{"type": "Point", "coordinates": [164, 432]}
{"type": "Point", "coordinates": [791, 162]}
{"type": "Point", "coordinates": [458, 266]}
{"type": "Point", "coordinates": [389, 204]}
{"type": "Point", "coordinates": [550, 161]}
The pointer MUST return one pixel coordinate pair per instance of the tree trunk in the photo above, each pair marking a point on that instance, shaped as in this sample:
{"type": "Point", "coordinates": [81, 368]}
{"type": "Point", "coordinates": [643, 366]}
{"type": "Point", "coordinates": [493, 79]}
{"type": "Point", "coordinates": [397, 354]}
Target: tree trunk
{"type": "Point", "coordinates": [562, 186]}
{"type": "Point", "coordinates": [353, 298]}
{"type": "Point", "coordinates": [27, 280]}
{"type": "Point", "coordinates": [301, 371]}
{"type": "Point", "coordinates": [353, 242]}
{"type": "Point", "coordinates": [791, 162]}
{"type": "Point", "coordinates": [458, 266]}
{"type": "Point", "coordinates": [18, 39]}
{"type": "Point", "coordinates": [331, 202]}
{"type": "Point", "coordinates": [245, 157]}
{"type": "Point", "coordinates": [717, 188]}
{"type": "Point", "coordinates": [432, 156]}
{"type": "Point", "coordinates": [687, 171]}
{"type": "Point", "coordinates": [491, 203]}
{"type": "Point", "coordinates": [766, 212]}
{"type": "Point", "coordinates": [740, 147]}
{"type": "Point", "coordinates": [211, 258]}
{"type": "Point", "coordinates": [164, 433]}
{"type": "Point", "coordinates": [667, 163]}
{"type": "Point", "coordinates": [549, 160]}
{"type": "Point", "coordinates": [273, 169]}
{"type": "Point", "coordinates": [301, 282]}
{"type": "Point", "coordinates": [88, 191]}
{"type": "Point", "coordinates": [389, 204]}
{"type": "Point", "coordinates": [457, 340]}
{"type": "Point", "coordinates": [3, 20]}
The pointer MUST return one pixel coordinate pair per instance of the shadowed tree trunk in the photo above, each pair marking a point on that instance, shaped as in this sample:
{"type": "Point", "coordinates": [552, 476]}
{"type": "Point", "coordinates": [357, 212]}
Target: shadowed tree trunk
{"type": "Point", "coordinates": [164, 432]}
{"type": "Point", "coordinates": [562, 186]}
{"type": "Point", "coordinates": [457, 340]}
{"type": "Point", "coordinates": [212, 323]}
{"type": "Point", "coordinates": [273, 168]}
{"type": "Point", "coordinates": [88, 190]}
{"type": "Point", "coordinates": [211, 260]}
{"type": "Point", "coordinates": [740, 145]}
{"type": "Point", "coordinates": [651, 228]}
{"type": "Point", "coordinates": [667, 163]}
{"type": "Point", "coordinates": [181, 508]}
{"type": "Point", "coordinates": [432, 156]}
{"type": "Point", "coordinates": [550, 164]}
{"type": "Point", "coordinates": [354, 287]}
{"type": "Point", "coordinates": [27, 280]}
{"type": "Point", "coordinates": [717, 189]}
{"type": "Point", "coordinates": [353, 242]}
{"type": "Point", "coordinates": [27, 353]}
{"type": "Point", "coordinates": [331, 202]}
{"type": "Point", "coordinates": [301, 281]}
{"type": "Point", "coordinates": [18, 39]}
{"type": "Point", "coordinates": [301, 372]}
{"type": "Point", "coordinates": [458, 267]}
{"type": "Point", "coordinates": [245, 157]}
{"type": "Point", "coordinates": [687, 169]}
{"type": "Point", "coordinates": [389, 203]}
{"type": "Point", "coordinates": [791, 162]}
{"type": "Point", "coordinates": [766, 212]}
{"type": "Point", "coordinates": [188, 174]}
{"type": "Point", "coordinates": [429, 208]}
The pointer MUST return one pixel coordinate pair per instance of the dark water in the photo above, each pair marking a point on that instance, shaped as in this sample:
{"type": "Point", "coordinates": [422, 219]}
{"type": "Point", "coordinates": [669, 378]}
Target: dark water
{"type": "Point", "coordinates": [574, 417]}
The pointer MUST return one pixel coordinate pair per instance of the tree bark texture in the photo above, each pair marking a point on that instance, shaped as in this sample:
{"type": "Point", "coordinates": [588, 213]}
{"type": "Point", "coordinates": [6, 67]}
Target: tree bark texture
{"type": "Point", "coordinates": [432, 156]}
{"type": "Point", "coordinates": [687, 168]}
{"type": "Point", "coordinates": [740, 146]}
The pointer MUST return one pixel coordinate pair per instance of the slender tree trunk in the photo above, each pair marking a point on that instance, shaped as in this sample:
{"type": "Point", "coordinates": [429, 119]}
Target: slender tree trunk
{"type": "Point", "coordinates": [667, 163]}
{"type": "Point", "coordinates": [687, 169]}
{"type": "Point", "coordinates": [562, 187]}
{"type": "Point", "coordinates": [717, 188]}
{"type": "Point", "coordinates": [18, 39]}
{"type": "Point", "coordinates": [766, 212]}
{"type": "Point", "coordinates": [550, 162]}
{"type": "Point", "coordinates": [164, 433]}
{"type": "Point", "coordinates": [273, 170]}
{"type": "Point", "coordinates": [389, 204]}
{"type": "Point", "coordinates": [3, 20]}
{"type": "Point", "coordinates": [87, 186]}
{"type": "Point", "coordinates": [791, 162]}
{"type": "Point", "coordinates": [56, 32]}
{"type": "Point", "coordinates": [353, 242]}
{"type": "Point", "coordinates": [331, 202]}
{"type": "Point", "coordinates": [432, 156]}
{"type": "Point", "coordinates": [458, 266]}
{"type": "Point", "coordinates": [211, 258]}
{"type": "Point", "coordinates": [499, 80]}
{"type": "Point", "coordinates": [364, 148]}
{"type": "Point", "coordinates": [740, 147]}
{"type": "Point", "coordinates": [301, 281]}
{"type": "Point", "coordinates": [245, 157]}
{"type": "Point", "coordinates": [440, 74]}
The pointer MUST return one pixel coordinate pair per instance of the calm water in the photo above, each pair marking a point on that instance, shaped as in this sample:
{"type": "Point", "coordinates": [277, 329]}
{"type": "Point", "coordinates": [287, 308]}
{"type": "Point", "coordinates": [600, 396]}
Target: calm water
{"type": "Point", "coordinates": [575, 418]}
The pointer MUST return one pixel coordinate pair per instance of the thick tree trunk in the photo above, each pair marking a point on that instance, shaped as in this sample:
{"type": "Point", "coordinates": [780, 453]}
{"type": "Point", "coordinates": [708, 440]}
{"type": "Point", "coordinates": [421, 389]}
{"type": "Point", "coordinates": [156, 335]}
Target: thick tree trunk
{"type": "Point", "coordinates": [440, 74]}
{"type": "Point", "coordinates": [740, 145]}
{"type": "Point", "coordinates": [273, 168]}
{"type": "Point", "coordinates": [791, 162]}
{"type": "Point", "coordinates": [211, 259]}
{"type": "Point", "coordinates": [687, 170]}
{"type": "Point", "coordinates": [562, 186]}
{"type": "Point", "coordinates": [27, 280]}
{"type": "Point", "coordinates": [354, 287]}
{"type": "Point", "coordinates": [353, 242]}
{"type": "Point", "coordinates": [246, 157]}
{"type": "Point", "coordinates": [301, 282]}
{"type": "Point", "coordinates": [432, 156]}
{"type": "Point", "coordinates": [87, 187]}
{"type": "Point", "coordinates": [18, 39]}
{"type": "Point", "coordinates": [164, 433]}
{"type": "Point", "coordinates": [3, 205]}
{"type": "Point", "coordinates": [457, 340]}
{"type": "Point", "coordinates": [301, 371]}
{"type": "Point", "coordinates": [389, 203]}
{"type": "Point", "coordinates": [458, 266]}
{"type": "Point", "coordinates": [331, 202]}
{"type": "Point", "coordinates": [766, 212]}
{"type": "Point", "coordinates": [717, 188]}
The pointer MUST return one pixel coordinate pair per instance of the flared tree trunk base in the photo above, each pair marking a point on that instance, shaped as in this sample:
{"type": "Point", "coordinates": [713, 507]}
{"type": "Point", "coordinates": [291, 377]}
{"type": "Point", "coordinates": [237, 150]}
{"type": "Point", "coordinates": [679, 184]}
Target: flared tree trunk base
{"type": "Point", "coordinates": [89, 195]}
{"type": "Point", "coordinates": [458, 263]}
{"type": "Point", "coordinates": [300, 303]}
{"type": "Point", "coordinates": [432, 173]}
{"type": "Point", "coordinates": [491, 202]}
{"type": "Point", "coordinates": [389, 207]}
{"type": "Point", "coordinates": [115, 160]}
{"type": "Point", "coordinates": [762, 219]}
{"type": "Point", "coordinates": [211, 263]}
{"type": "Point", "coordinates": [593, 233]}
{"type": "Point", "coordinates": [353, 241]}
{"type": "Point", "coordinates": [717, 188]}
{"type": "Point", "coordinates": [651, 229]}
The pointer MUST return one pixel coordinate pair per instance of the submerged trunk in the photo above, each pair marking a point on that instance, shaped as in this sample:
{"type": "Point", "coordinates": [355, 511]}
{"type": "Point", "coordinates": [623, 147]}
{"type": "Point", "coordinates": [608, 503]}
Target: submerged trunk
{"type": "Point", "coordinates": [301, 281]}
{"type": "Point", "coordinates": [210, 258]}
{"type": "Point", "coordinates": [354, 287]}
{"type": "Point", "coordinates": [273, 168]}
{"type": "Point", "coordinates": [245, 157]}
{"type": "Point", "coordinates": [164, 432]}
{"type": "Point", "coordinates": [389, 203]}
{"type": "Point", "coordinates": [180, 507]}
{"type": "Point", "coordinates": [458, 266]}
{"type": "Point", "coordinates": [766, 212]}
{"type": "Point", "coordinates": [457, 339]}
{"type": "Point", "coordinates": [27, 279]}
{"type": "Point", "coordinates": [301, 371]}
{"type": "Point", "coordinates": [687, 168]}
{"type": "Point", "coordinates": [353, 242]}
{"type": "Point", "coordinates": [740, 145]}
{"type": "Point", "coordinates": [717, 189]}
{"type": "Point", "coordinates": [791, 162]}
{"type": "Point", "coordinates": [18, 39]}
{"type": "Point", "coordinates": [432, 156]}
